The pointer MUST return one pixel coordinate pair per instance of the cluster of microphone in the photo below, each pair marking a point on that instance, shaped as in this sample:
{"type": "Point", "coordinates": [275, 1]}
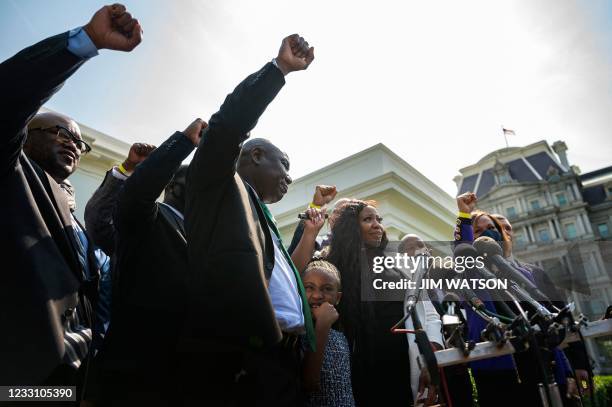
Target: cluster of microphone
{"type": "Point", "coordinates": [521, 309]}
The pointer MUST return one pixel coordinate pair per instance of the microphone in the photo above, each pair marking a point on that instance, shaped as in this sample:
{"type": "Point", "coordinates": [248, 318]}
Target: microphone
{"type": "Point", "coordinates": [492, 254]}
{"type": "Point", "coordinates": [412, 294]}
{"type": "Point", "coordinates": [466, 250]}
{"type": "Point", "coordinates": [303, 215]}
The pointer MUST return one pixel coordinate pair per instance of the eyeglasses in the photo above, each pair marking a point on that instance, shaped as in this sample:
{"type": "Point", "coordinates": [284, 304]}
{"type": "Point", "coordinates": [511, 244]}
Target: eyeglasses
{"type": "Point", "coordinates": [66, 135]}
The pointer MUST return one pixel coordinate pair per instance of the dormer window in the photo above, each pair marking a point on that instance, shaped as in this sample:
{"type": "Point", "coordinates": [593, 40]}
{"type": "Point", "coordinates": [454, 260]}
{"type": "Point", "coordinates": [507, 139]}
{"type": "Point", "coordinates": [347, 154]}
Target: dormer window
{"type": "Point", "coordinates": [502, 173]}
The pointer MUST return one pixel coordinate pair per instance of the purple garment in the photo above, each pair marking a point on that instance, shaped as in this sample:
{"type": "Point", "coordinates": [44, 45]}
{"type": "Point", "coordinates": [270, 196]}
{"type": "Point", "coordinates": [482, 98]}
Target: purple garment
{"type": "Point", "coordinates": [464, 234]}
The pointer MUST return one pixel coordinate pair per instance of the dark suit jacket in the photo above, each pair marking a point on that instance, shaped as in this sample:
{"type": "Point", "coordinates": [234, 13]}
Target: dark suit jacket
{"type": "Point", "coordinates": [99, 213]}
{"type": "Point", "coordinates": [149, 280]}
{"type": "Point", "coordinates": [231, 253]}
{"type": "Point", "coordinates": [41, 274]}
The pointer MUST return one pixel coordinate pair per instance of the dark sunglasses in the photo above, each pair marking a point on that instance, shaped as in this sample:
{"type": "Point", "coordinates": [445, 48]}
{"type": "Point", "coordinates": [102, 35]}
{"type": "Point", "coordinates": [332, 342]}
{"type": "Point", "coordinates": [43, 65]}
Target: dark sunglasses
{"type": "Point", "coordinates": [64, 134]}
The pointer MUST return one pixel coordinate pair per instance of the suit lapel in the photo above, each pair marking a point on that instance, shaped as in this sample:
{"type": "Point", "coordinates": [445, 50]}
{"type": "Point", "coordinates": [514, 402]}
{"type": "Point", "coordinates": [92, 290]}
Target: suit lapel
{"type": "Point", "coordinates": [57, 216]}
{"type": "Point", "coordinates": [174, 221]}
{"type": "Point", "coordinates": [269, 245]}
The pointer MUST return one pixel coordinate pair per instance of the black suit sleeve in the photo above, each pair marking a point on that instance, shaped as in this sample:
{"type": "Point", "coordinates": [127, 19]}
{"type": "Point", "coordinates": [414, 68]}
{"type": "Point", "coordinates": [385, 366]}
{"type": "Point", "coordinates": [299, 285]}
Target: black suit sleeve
{"type": "Point", "coordinates": [297, 236]}
{"type": "Point", "coordinates": [136, 204]}
{"type": "Point", "coordinates": [99, 213]}
{"type": "Point", "coordinates": [229, 127]}
{"type": "Point", "coordinates": [27, 81]}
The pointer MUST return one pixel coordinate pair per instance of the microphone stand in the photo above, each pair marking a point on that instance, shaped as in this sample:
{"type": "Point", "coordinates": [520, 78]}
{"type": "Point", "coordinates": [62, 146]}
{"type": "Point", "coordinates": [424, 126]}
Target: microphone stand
{"type": "Point", "coordinates": [420, 336]}
{"type": "Point", "coordinates": [549, 391]}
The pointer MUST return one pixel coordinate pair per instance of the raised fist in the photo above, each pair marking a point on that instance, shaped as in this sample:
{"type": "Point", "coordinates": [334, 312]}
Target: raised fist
{"type": "Point", "coordinates": [466, 202]}
{"type": "Point", "coordinates": [194, 131]}
{"type": "Point", "coordinates": [325, 314]}
{"type": "Point", "coordinates": [324, 194]}
{"type": "Point", "coordinates": [112, 27]}
{"type": "Point", "coordinates": [315, 220]}
{"type": "Point", "coordinates": [294, 54]}
{"type": "Point", "coordinates": [137, 154]}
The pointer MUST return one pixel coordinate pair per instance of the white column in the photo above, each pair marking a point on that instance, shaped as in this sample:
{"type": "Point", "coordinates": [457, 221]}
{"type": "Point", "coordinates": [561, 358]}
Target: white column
{"type": "Point", "coordinates": [530, 229]}
{"type": "Point", "coordinates": [549, 200]}
{"type": "Point", "coordinates": [526, 234]}
{"type": "Point", "coordinates": [576, 191]}
{"type": "Point", "coordinates": [570, 193]}
{"type": "Point", "coordinates": [587, 222]}
{"type": "Point", "coordinates": [580, 224]}
{"type": "Point", "coordinates": [519, 206]}
{"type": "Point", "coordinates": [553, 233]}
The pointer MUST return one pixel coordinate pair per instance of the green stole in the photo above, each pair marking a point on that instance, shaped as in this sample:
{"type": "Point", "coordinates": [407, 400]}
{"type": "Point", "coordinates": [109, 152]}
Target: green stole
{"type": "Point", "coordinates": [310, 334]}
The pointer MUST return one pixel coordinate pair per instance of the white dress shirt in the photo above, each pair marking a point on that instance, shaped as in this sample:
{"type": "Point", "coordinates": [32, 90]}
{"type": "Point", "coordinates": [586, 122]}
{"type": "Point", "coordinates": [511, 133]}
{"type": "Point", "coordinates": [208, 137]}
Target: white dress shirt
{"type": "Point", "coordinates": [284, 293]}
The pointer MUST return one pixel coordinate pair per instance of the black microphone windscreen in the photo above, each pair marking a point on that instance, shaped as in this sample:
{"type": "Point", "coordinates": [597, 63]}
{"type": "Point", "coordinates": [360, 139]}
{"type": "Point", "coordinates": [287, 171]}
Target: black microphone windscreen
{"type": "Point", "coordinates": [486, 245]}
{"type": "Point", "coordinates": [451, 297]}
{"type": "Point", "coordinates": [465, 250]}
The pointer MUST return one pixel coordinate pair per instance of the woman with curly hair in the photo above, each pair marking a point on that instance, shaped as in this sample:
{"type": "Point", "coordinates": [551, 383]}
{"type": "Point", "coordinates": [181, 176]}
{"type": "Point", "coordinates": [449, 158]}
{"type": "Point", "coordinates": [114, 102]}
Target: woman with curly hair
{"type": "Point", "coordinates": [380, 361]}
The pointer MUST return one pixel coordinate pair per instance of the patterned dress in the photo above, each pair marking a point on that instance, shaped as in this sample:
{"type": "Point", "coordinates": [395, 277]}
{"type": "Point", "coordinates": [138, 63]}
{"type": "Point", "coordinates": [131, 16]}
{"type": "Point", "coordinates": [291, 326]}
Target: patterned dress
{"type": "Point", "coordinates": [336, 389]}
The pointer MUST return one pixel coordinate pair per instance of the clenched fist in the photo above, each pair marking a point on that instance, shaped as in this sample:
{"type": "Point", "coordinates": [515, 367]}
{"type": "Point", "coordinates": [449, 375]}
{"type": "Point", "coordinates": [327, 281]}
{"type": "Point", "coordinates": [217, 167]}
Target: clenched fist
{"type": "Point", "coordinates": [325, 314]}
{"type": "Point", "coordinates": [294, 54]}
{"type": "Point", "coordinates": [194, 131]}
{"type": "Point", "coordinates": [324, 194]}
{"type": "Point", "coordinates": [112, 27]}
{"type": "Point", "coordinates": [466, 202]}
{"type": "Point", "coordinates": [137, 154]}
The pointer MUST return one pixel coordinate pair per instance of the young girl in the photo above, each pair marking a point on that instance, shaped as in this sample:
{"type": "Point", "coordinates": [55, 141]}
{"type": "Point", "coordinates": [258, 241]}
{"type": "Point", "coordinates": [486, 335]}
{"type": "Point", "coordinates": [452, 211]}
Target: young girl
{"type": "Point", "coordinates": [327, 372]}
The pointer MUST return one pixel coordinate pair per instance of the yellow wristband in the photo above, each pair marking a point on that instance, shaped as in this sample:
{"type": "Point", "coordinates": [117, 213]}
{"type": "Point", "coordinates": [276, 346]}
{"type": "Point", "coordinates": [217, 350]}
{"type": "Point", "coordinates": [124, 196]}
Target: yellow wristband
{"type": "Point", "coordinates": [311, 205]}
{"type": "Point", "coordinates": [123, 170]}
{"type": "Point", "coordinates": [465, 215]}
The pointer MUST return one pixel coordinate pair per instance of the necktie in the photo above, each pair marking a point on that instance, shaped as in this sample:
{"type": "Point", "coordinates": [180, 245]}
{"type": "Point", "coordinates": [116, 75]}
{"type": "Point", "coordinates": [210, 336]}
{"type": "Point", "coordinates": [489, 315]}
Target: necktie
{"type": "Point", "coordinates": [310, 335]}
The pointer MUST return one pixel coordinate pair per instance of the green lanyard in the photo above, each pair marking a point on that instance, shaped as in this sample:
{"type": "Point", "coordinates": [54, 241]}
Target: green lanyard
{"type": "Point", "coordinates": [310, 335]}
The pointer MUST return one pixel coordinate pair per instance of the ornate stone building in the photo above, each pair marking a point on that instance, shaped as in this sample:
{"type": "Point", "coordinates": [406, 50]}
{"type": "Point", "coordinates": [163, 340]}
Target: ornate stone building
{"type": "Point", "coordinates": [561, 221]}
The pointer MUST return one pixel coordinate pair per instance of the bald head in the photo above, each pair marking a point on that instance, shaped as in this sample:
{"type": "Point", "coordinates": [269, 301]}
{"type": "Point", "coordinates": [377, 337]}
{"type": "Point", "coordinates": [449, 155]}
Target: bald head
{"type": "Point", "coordinates": [266, 168]}
{"type": "Point", "coordinates": [410, 244]}
{"type": "Point", "coordinates": [58, 156]}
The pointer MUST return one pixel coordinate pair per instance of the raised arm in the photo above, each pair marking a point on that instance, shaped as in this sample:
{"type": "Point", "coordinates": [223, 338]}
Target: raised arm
{"type": "Point", "coordinates": [466, 203]}
{"type": "Point", "coordinates": [136, 205]}
{"type": "Point", "coordinates": [33, 75]}
{"type": "Point", "coordinates": [101, 206]}
{"type": "Point", "coordinates": [238, 114]}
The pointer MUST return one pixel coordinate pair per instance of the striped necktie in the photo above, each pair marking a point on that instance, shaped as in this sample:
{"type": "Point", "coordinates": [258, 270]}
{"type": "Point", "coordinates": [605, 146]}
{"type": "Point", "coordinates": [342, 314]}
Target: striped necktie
{"type": "Point", "coordinates": [310, 335]}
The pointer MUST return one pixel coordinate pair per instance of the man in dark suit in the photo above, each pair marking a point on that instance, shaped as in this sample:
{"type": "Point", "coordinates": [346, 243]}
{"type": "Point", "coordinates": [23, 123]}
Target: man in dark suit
{"type": "Point", "coordinates": [248, 308]}
{"type": "Point", "coordinates": [101, 206]}
{"type": "Point", "coordinates": [47, 295]}
{"type": "Point", "coordinates": [138, 362]}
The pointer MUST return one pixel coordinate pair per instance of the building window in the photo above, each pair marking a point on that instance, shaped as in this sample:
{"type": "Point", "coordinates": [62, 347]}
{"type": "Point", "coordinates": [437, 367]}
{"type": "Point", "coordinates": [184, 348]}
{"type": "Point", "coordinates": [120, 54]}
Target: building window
{"type": "Point", "coordinates": [535, 204]}
{"type": "Point", "coordinates": [561, 199]}
{"type": "Point", "coordinates": [603, 230]}
{"type": "Point", "coordinates": [511, 212]}
{"type": "Point", "coordinates": [519, 238]}
{"type": "Point", "coordinates": [570, 230]}
{"type": "Point", "coordinates": [544, 235]}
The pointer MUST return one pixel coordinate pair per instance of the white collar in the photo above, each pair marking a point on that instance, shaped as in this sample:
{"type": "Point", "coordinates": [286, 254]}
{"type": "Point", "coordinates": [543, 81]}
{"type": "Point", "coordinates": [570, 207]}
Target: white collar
{"type": "Point", "coordinates": [176, 212]}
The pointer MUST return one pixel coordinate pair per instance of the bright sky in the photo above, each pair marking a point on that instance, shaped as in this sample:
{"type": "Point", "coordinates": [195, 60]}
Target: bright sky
{"type": "Point", "coordinates": [434, 81]}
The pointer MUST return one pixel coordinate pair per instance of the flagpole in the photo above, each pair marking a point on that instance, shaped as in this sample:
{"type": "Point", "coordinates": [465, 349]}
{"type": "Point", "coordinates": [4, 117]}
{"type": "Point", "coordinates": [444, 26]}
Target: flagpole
{"type": "Point", "coordinates": [505, 137]}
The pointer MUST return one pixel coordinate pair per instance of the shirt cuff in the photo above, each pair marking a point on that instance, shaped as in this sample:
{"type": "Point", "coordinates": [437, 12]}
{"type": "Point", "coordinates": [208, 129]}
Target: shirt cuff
{"type": "Point", "coordinates": [276, 65]}
{"type": "Point", "coordinates": [80, 44]}
{"type": "Point", "coordinates": [117, 174]}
